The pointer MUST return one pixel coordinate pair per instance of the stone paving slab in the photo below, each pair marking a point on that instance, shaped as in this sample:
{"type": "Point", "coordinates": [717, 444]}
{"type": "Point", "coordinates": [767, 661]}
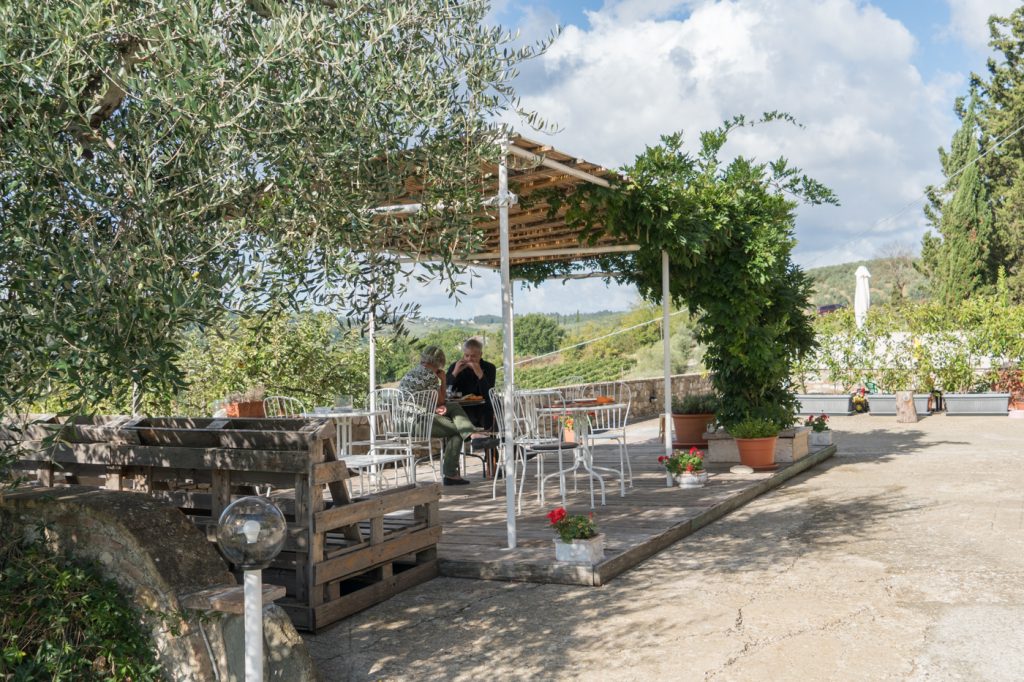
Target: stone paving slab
{"type": "Point", "coordinates": [898, 559]}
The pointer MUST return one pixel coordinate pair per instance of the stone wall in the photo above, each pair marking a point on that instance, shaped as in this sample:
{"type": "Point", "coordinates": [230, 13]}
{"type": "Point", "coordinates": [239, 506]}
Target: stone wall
{"type": "Point", "coordinates": [649, 394]}
{"type": "Point", "coordinates": [157, 556]}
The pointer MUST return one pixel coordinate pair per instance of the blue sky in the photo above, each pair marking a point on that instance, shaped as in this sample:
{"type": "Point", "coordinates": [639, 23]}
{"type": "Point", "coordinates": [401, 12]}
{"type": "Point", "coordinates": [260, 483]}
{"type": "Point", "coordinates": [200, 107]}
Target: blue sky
{"type": "Point", "coordinates": [873, 83]}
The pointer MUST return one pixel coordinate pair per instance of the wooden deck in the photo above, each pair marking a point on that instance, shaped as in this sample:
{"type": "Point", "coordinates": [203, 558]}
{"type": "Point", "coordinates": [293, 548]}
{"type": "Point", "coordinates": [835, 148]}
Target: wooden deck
{"type": "Point", "coordinates": [648, 519]}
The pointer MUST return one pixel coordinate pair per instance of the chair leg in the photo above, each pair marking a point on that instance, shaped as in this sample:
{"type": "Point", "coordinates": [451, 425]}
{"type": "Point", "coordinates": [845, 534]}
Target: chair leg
{"type": "Point", "coordinates": [629, 465]}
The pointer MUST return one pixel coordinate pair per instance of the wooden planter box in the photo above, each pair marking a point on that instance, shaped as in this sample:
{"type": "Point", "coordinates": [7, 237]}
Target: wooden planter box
{"type": "Point", "coordinates": [884, 404]}
{"type": "Point", "coordinates": [337, 559]}
{"type": "Point", "coordinates": [811, 404]}
{"type": "Point", "coordinates": [976, 403]}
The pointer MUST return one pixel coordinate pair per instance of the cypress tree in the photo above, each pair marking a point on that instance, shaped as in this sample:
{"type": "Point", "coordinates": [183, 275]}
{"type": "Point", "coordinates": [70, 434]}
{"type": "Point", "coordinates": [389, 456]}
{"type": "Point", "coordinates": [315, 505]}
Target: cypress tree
{"type": "Point", "coordinates": [1000, 115]}
{"type": "Point", "coordinates": [958, 264]}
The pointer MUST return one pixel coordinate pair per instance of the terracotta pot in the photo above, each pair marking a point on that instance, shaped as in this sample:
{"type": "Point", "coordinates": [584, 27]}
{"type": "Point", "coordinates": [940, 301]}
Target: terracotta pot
{"type": "Point", "coordinates": [252, 409]}
{"type": "Point", "coordinates": [689, 430]}
{"type": "Point", "coordinates": [757, 453]}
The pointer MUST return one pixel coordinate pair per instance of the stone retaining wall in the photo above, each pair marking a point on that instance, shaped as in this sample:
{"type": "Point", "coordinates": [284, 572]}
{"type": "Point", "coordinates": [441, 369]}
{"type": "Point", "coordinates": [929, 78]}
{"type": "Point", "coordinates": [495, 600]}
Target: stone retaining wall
{"type": "Point", "coordinates": [649, 394]}
{"type": "Point", "coordinates": [152, 551]}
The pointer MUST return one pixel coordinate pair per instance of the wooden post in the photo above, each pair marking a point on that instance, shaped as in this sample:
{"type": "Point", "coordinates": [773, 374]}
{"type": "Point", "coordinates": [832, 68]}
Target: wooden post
{"type": "Point", "coordinates": [906, 413]}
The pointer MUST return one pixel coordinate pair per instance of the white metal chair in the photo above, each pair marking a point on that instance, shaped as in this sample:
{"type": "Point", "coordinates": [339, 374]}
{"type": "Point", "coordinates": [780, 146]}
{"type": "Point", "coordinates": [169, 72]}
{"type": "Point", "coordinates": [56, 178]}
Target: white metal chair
{"type": "Point", "coordinates": [277, 406]}
{"type": "Point", "coordinates": [519, 456]}
{"type": "Point", "coordinates": [417, 420]}
{"type": "Point", "coordinates": [540, 412]}
{"type": "Point", "coordinates": [391, 443]}
{"type": "Point", "coordinates": [608, 422]}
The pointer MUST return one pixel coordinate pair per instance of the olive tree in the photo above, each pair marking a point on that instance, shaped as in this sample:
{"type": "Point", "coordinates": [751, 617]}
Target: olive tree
{"type": "Point", "coordinates": [163, 165]}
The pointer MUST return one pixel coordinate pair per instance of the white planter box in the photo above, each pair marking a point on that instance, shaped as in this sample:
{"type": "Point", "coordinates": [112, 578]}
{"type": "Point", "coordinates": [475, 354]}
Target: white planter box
{"type": "Point", "coordinates": [813, 404]}
{"type": "Point", "coordinates": [977, 403]}
{"type": "Point", "coordinates": [820, 439]}
{"type": "Point", "coordinates": [695, 480]}
{"type": "Point", "coordinates": [580, 551]}
{"type": "Point", "coordinates": [884, 404]}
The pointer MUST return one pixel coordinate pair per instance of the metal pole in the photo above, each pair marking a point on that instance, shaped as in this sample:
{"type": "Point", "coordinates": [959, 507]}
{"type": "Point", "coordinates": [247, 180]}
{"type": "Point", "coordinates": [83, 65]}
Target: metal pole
{"type": "Point", "coordinates": [372, 329]}
{"type": "Point", "coordinates": [507, 360]}
{"type": "Point", "coordinates": [666, 351]}
{"type": "Point", "coordinates": [253, 595]}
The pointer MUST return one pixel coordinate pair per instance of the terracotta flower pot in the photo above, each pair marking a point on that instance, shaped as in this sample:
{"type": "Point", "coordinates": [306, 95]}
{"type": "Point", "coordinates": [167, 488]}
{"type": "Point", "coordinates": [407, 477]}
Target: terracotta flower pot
{"type": "Point", "coordinates": [757, 453]}
{"type": "Point", "coordinates": [253, 409]}
{"type": "Point", "coordinates": [689, 430]}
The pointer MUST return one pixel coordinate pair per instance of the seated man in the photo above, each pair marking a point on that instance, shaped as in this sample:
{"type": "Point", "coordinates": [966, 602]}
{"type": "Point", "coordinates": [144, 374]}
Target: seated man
{"type": "Point", "coordinates": [450, 423]}
{"type": "Point", "coordinates": [474, 375]}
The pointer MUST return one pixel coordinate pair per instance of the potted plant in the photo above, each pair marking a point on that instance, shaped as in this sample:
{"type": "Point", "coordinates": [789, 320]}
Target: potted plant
{"type": "Point", "coordinates": [859, 401]}
{"type": "Point", "coordinates": [578, 541]}
{"type": "Point", "coordinates": [756, 439]}
{"type": "Point", "coordinates": [964, 392]}
{"type": "Point", "coordinates": [248, 403]}
{"type": "Point", "coordinates": [821, 434]}
{"type": "Point", "coordinates": [686, 467]}
{"type": "Point", "coordinates": [690, 417]}
{"type": "Point", "coordinates": [1010, 379]}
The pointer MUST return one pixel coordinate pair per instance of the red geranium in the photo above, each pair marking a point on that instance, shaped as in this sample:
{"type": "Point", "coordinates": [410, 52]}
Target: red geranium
{"type": "Point", "coordinates": [571, 528]}
{"type": "Point", "coordinates": [682, 461]}
{"type": "Point", "coordinates": [556, 515]}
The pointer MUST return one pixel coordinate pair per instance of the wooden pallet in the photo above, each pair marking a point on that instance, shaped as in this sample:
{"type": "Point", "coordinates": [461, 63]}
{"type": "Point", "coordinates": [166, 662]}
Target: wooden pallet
{"type": "Point", "coordinates": [340, 556]}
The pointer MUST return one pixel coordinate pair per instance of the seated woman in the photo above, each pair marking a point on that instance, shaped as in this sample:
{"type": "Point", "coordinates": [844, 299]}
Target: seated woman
{"type": "Point", "coordinates": [451, 424]}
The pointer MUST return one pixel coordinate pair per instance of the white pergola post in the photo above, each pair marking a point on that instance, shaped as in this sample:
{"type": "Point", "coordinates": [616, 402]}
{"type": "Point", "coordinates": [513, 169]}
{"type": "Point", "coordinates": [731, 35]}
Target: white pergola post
{"type": "Point", "coordinates": [507, 356]}
{"type": "Point", "coordinates": [666, 351]}
{"type": "Point", "coordinates": [372, 330]}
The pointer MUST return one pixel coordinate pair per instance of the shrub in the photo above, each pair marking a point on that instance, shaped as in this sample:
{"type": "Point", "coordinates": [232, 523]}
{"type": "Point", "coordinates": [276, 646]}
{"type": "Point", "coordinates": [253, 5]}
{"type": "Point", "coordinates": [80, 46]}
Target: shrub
{"type": "Point", "coordinates": [754, 428]}
{"type": "Point", "coordinates": [62, 620]}
{"type": "Point", "coordinates": [695, 403]}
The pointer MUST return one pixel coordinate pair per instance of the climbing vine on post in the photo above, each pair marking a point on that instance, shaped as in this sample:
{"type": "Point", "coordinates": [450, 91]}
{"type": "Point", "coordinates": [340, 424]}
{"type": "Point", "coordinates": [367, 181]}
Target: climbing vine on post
{"type": "Point", "coordinates": [728, 230]}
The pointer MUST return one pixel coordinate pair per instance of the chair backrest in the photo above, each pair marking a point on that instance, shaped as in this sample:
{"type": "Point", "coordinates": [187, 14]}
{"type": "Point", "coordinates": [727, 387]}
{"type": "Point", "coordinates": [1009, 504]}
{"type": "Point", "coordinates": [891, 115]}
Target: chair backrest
{"type": "Point", "coordinates": [498, 402]}
{"type": "Point", "coordinates": [282, 406]}
{"type": "Point", "coordinates": [418, 412]}
{"type": "Point", "coordinates": [387, 402]}
{"type": "Point", "coordinates": [539, 412]}
{"type": "Point", "coordinates": [618, 391]}
{"type": "Point", "coordinates": [575, 387]}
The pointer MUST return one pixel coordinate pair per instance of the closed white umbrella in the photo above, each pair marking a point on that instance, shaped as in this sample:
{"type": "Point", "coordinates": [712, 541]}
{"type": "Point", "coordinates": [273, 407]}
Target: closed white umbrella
{"type": "Point", "coordinates": [862, 296]}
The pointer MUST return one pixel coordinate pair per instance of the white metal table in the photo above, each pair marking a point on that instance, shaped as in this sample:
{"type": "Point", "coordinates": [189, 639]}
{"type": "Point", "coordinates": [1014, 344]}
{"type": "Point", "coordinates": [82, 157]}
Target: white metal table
{"type": "Point", "coordinates": [583, 457]}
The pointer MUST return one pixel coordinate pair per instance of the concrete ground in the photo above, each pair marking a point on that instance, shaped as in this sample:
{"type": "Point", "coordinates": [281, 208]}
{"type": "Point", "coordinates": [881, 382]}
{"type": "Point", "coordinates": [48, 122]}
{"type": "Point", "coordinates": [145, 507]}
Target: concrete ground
{"type": "Point", "coordinates": [901, 558]}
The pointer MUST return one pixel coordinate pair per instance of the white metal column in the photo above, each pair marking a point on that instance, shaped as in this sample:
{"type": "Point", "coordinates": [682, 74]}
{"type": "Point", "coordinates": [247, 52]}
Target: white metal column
{"type": "Point", "coordinates": [666, 351]}
{"type": "Point", "coordinates": [372, 330]}
{"type": "Point", "coordinates": [507, 359]}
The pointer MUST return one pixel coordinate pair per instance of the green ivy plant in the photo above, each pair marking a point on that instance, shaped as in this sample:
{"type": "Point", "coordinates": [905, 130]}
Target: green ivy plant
{"type": "Point", "coordinates": [728, 230]}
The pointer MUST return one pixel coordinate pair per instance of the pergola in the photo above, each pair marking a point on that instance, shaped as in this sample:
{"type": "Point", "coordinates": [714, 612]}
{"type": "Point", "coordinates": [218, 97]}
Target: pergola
{"type": "Point", "coordinates": [532, 233]}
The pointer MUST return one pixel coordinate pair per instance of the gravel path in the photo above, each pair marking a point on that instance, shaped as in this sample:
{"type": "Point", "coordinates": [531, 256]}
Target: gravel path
{"type": "Point", "coordinates": [901, 558]}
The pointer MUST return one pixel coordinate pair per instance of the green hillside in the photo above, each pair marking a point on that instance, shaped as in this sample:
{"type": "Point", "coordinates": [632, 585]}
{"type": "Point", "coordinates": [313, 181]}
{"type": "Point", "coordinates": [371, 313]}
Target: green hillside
{"type": "Point", "coordinates": [836, 283]}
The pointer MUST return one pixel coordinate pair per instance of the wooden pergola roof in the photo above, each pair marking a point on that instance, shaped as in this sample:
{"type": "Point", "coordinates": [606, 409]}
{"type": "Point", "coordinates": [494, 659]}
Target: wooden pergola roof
{"type": "Point", "coordinates": [534, 235]}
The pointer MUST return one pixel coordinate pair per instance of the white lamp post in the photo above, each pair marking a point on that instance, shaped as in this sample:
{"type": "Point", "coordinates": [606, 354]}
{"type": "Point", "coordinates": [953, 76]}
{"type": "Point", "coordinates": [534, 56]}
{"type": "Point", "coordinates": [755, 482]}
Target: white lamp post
{"type": "Point", "coordinates": [250, 533]}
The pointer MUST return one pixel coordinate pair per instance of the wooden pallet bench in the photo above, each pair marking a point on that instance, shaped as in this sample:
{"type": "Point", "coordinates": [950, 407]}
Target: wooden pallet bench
{"type": "Point", "coordinates": [341, 555]}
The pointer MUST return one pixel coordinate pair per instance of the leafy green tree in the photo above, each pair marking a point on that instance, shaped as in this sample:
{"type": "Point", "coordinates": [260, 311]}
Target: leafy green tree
{"type": "Point", "coordinates": [536, 334]}
{"type": "Point", "coordinates": [959, 264]}
{"type": "Point", "coordinates": [163, 165]}
{"type": "Point", "coordinates": [1001, 114]}
{"type": "Point", "coordinates": [309, 356]}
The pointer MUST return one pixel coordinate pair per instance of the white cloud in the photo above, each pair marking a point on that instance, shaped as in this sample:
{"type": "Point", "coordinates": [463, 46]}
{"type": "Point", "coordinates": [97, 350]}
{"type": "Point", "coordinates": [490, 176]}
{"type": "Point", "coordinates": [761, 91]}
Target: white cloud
{"type": "Point", "coordinates": [968, 19]}
{"type": "Point", "coordinates": [482, 297]}
{"type": "Point", "coordinates": [842, 67]}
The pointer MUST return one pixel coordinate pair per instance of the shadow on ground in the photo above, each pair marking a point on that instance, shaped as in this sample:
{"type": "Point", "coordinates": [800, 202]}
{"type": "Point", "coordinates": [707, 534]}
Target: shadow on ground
{"type": "Point", "coordinates": [457, 628]}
